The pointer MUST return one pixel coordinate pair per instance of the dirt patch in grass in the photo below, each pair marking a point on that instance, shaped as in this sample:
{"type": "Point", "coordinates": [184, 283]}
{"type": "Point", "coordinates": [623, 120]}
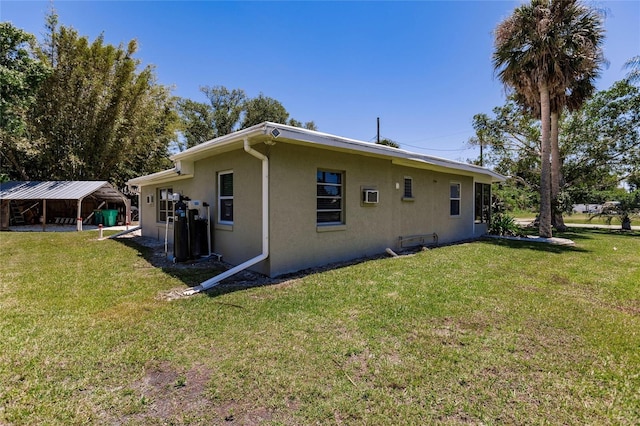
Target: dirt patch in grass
{"type": "Point", "coordinates": [166, 392]}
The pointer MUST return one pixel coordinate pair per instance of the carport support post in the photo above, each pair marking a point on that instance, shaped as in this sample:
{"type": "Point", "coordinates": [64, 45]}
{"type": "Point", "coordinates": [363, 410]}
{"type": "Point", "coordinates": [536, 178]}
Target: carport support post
{"type": "Point", "coordinates": [79, 215]}
{"type": "Point", "coordinates": [127, 213]}
{"type": "Point", "coordinates": [44, 214]}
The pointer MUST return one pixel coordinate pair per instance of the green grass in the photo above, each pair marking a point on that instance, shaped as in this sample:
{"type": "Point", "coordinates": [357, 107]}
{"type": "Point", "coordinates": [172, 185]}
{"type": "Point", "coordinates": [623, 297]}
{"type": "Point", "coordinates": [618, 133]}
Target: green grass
{"type": "Point", "coordinates": [489, 332]}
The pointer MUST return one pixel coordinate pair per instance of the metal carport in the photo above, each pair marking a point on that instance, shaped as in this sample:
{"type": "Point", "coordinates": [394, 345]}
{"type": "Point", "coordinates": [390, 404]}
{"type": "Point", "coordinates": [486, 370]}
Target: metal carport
{"type": "Point", "coordinates": [59, 190]}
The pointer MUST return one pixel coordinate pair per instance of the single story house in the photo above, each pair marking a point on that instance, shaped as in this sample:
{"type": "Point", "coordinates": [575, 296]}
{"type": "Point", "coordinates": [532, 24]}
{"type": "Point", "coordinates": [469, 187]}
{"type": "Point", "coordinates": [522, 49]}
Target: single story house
{"type": "Point", "coordinates": [284, 198]}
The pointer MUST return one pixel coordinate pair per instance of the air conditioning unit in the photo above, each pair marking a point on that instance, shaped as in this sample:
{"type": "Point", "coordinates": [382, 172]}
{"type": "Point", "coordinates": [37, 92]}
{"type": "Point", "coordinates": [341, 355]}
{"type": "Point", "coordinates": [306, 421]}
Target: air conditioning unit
{"type": "Point", "coordinates": [149, 199]}
{"type": "Point", "coordinates": [370, 196]}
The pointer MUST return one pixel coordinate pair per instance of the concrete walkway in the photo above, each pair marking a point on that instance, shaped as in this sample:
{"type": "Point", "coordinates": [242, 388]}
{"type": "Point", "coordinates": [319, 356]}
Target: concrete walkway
{"type": "Point", "coordinates": [529, 222]}
{"type": "Point", "coordinates": [535, 239]}
{"type": "Point", "coordinates": [51, 227]}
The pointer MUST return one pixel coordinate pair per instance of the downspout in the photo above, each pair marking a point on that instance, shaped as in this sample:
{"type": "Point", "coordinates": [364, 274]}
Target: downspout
{"type": "Point", "coordinates": [265, 229]}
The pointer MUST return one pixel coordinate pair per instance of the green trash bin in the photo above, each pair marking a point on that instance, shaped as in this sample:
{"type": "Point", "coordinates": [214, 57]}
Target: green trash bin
{"type": "Point", "coordinates": [97, 217]}
{"type": "Point", "coordinates": [110, 217]}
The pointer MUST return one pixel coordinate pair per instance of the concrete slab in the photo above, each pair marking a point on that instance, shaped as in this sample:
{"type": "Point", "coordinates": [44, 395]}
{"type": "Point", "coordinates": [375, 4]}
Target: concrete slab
{"type": "Point", "coordinates": [536, 239]}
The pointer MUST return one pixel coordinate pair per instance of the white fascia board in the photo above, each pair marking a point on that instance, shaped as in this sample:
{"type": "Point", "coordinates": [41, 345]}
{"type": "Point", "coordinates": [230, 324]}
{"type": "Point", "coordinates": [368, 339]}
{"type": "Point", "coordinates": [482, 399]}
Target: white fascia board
{"type": "Point", "coordinates": [164, 176]}
{"type": "Point", "coordinates": [218, 144]}
{"type": "Point", "coordinates": [445, 167]}
{"type": "Point", "coordinates": [398, 156]}
{"type": "Point", "coordinates": [290, 134]}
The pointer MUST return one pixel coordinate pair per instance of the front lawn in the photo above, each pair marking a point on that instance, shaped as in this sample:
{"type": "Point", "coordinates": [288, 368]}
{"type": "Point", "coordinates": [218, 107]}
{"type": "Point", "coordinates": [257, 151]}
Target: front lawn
{"type": "Point", "coordinates": [488, 332]}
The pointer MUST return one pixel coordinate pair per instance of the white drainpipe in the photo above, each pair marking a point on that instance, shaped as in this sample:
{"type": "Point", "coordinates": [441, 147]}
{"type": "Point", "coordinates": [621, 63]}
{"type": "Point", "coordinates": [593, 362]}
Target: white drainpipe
{"type": "Point", "coordinates": [211, 282]}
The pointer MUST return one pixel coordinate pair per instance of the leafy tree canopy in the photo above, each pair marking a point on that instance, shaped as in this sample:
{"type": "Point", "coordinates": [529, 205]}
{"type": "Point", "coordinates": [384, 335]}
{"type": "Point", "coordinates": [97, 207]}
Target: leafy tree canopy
{"type": "Point", "coordinates": [99, 115]}
{"type": "Point", "coordinates": [263, 108]}
{"type": "Point", "coordinates": [600, 144]}
{"type": "Point", "coordinates": [21, 74]}
{"type": "Point", "coordinates": [228, 111]}
{"type": "Point", "coordinates": [388, 142]}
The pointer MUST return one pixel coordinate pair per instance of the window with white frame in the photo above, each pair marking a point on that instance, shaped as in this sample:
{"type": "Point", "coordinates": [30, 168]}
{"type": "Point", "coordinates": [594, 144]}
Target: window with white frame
{"type": "Point", "coordinates": [225, 197]}
{"type": "Point", "coordinates": [165, 204]}
{"type": "Point", "coordinates": [482, 203]}
{"type": "Point", "coordinates": [329, 193]}
{"type": "Point", "coordinates": [454, 199]}
{"type": "Point", "coordinates": [408, 187]}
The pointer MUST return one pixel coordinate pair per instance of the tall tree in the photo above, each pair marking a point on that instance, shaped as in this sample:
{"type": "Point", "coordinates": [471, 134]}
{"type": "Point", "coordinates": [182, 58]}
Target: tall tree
{"type": "Point", "coordinates": [228, 111]}
{"type": "Point", "coordinates": [198, 122]}
{"type": "Point", "coordinates": [579, 33]}
{"type": "Point", "coordinates": [523, 61]}
{"type": "Point", "coordinates": [21, 74]}
{"type": "Point", "coordinates": [97, 116]}
{"type": "Point", "coordinates": [227, 106]}
{"type": "Point", "coordinates": [263, 108]}
{"type": "Point", "coordinates": [309, 125]}
{"type": "Point", "coordinates": [633, 65]}
{"type": "Point", "coordinates": [600, 143]}
{"type": "Point", "coordinates": [540, 51]}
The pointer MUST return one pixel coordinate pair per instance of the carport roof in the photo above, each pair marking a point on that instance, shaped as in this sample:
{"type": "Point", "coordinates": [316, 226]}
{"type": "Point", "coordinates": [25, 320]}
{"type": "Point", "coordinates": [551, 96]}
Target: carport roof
{"type": "Point", "coordinates": [59, 190]}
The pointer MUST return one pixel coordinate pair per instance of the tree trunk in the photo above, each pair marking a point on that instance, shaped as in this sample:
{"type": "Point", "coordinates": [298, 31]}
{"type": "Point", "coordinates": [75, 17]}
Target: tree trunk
{"type": "Point", "coordinates": [556, 174]}
{"type": "Point", "coordinates": [544, 228]}
{"type": "Point", "coordinates": [626, 224]}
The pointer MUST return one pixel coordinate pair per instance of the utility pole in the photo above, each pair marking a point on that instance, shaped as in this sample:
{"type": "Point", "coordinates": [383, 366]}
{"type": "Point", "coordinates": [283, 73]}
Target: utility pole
{"type": "Point", "coordinates": [378, 133]}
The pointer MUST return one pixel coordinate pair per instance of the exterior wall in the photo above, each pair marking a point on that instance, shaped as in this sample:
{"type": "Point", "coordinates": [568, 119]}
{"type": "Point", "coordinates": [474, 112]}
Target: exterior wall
{"type": "Point", "coordinates": [236, 243]}
{"type": "Point", "coordinates": [296, 240]}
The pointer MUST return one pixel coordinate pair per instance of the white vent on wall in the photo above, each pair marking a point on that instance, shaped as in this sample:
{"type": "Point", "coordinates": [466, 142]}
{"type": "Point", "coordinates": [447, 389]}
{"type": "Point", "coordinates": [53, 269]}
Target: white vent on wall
{"type": "Point", "coordinates": [370, 196]}
{"type": "Point", "coordinates": [149, 199]}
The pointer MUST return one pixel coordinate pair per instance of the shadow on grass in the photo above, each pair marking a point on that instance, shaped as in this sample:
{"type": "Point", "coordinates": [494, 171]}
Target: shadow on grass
{"type": "Point", "coordinates": [194, 273]}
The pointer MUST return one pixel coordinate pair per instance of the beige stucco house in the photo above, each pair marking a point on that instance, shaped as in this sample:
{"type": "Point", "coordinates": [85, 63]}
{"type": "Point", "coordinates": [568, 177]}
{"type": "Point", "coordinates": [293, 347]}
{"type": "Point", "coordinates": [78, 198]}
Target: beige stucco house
{"type": "Point", "coordinates": [285, 198]}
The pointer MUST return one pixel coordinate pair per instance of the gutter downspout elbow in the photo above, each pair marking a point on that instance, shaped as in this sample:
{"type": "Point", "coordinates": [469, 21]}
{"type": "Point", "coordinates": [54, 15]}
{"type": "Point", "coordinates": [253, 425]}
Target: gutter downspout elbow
{"type": "Point", "coordinates": [265, 229]}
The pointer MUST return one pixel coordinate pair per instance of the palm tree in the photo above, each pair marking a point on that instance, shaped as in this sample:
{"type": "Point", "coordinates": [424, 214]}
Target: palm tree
{"type": "Point", "coordinates": [579, 34]}
{"type": "Point", "coordinates": [541, 52]}
{"type": "Point", "coordinates": [524, 62]}
{"type": "Point", "coordinates": [633, 65]}
{"type": "Point", "coordinates": [581, 91]}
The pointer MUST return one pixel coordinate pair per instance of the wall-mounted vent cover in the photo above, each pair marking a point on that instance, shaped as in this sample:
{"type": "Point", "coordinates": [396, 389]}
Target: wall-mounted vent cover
{"type": "Point", "coordinates": [370, 196]}
{"type": "Point", "coordinates": [275, 133]}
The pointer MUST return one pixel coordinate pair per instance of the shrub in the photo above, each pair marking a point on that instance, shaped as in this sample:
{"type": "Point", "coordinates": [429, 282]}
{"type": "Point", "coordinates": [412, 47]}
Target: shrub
{"type": "Point", "coordinates": [503, 224]}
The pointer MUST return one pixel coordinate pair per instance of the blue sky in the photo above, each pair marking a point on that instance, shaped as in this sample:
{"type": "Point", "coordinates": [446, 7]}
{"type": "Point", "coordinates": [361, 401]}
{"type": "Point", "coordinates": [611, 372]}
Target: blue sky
{"type": "Point", "coordinates": [423, 67]}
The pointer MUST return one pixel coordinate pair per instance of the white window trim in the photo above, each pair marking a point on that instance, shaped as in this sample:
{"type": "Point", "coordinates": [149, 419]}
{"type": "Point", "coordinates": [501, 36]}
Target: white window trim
{"type": "Point", "coordinates": [459, 199]}
{"type": "Point", "coordinates": [342, 222]}
{"type": "Point", "coordinates": [225, 197]}
{"type": "Point", "coordinates": [169, 203]}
